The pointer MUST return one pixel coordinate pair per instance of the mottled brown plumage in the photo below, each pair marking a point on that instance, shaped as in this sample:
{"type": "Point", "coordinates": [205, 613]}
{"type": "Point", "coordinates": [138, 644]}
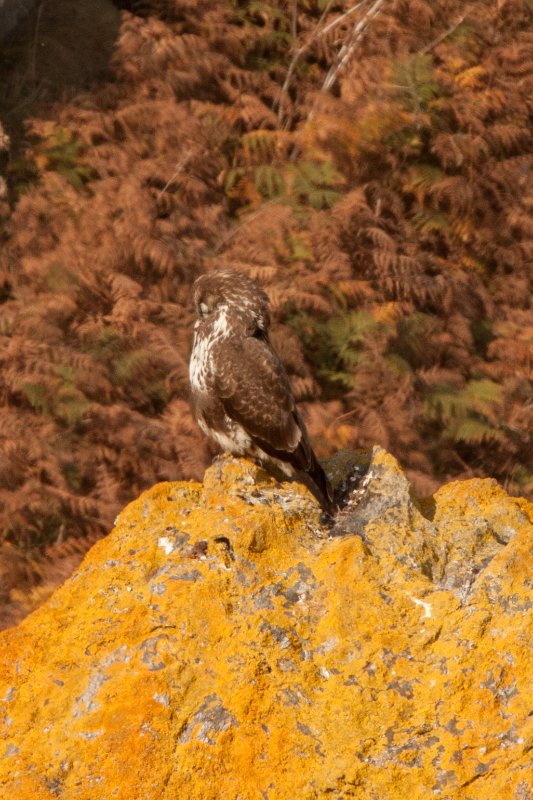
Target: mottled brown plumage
{"type": "Point", "coordinates": [240, 391]}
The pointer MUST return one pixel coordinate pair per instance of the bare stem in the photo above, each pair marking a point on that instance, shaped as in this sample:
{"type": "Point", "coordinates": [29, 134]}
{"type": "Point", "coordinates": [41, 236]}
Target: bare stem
{"type": "Point", "coordinates": [184, 160]}
{"type": "Point", "coordinates": [443, 36]}
{"type": "Point", "coordinates": [249, 218]}
{"type": "Point", "coordinates": [294, 19]}
{"type": "Point", "coordinates": [348, 47]}
{"type": "Point", "coordinates": [316, 34]}
{"type": "Point", "coordinates": [33, 64]}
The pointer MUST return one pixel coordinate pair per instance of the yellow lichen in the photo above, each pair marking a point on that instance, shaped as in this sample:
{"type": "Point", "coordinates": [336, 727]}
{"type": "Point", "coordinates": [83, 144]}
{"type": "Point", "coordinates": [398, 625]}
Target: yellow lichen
{"type": "Point", "coordinates": [223, 642]}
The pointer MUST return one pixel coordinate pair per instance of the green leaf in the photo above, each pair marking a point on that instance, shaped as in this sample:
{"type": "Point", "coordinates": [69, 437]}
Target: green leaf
{"type": "Point", "coordinates": [268, 181]}
{"type": "Point", "coordinates": [233, 176]}
{"type": "Point", "coordinates": [474, 431]}
{"type": "Point", "coordinates": [71, 406]}
{"type": "Point", "coordinates": [397, 364]}
{"type": "Point", "coordinates": [299, 250]}
{"type": "Point", "coordinates": [37, 395]}
{"type": "Point", "coordinates": [426, 221]}
{"type": "Point", "coordinates": [127, 366]}
{"type": "Point", "coordinates": [345, 379]}
{"type": "Point", "coordinates": [470, 414]}
{"type": "Point", "coordinates": [72, 476]}
{"type": "Point", "coordinates": [413, 340]}
{"type": "Point", "coordinates": [314, 182]}
{"type": "Point", "coordinates": [415, 83]}
{"type": "Point", "coordinates": [338, 346]}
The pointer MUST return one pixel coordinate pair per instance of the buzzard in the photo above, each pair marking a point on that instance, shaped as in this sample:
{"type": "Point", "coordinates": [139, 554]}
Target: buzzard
{"type": "Point", "coordinates": [240, 391]}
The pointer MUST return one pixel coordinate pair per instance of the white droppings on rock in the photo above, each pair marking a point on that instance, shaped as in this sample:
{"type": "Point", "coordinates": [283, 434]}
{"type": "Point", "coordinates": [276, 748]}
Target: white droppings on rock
{"type": "Point", "coordinates": [162, 698]}
{"type": "Point", "coordinates": [166, 544]}
{"type": "Point", "coordinates": [425, 606]}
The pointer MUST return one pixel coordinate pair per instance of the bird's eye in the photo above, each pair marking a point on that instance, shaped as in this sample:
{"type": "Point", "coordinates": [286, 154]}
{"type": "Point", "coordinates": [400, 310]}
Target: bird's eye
{"type": "Point", "coordinates": [203, 310]}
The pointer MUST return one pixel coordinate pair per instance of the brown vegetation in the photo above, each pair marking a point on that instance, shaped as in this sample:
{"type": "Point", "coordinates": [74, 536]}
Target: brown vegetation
{"type": "Point", "coordinates": [370, 163]}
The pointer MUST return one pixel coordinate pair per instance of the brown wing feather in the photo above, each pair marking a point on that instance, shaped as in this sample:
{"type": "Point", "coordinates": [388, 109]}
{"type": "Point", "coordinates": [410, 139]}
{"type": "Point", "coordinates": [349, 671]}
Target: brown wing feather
{"type": "Point", "coordinates": [253, 387]}
{"type": "Point", "coordinates": [252, 384]}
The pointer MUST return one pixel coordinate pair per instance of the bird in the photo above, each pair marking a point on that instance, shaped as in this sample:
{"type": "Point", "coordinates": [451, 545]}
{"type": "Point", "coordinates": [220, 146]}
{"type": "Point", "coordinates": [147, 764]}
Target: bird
{"type": "Point", "coordinates": [241, 394]}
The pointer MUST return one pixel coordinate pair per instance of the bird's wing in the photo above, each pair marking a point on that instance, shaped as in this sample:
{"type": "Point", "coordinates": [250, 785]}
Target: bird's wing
{"type": "Point", "coordinates": [254, 389]}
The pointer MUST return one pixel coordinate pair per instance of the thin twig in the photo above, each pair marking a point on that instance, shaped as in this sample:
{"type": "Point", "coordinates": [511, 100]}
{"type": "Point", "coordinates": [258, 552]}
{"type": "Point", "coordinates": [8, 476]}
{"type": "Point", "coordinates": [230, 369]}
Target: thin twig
{"type": "Point", "coordinates": [425, 50]}
{"type": "Point", "coordinates": [315, 35]}
{"type": "Point", "coordinates": [244, 223]}
{"type": "Point", "coordinates": [348, 47]}
{"type": "Point", "coordinates": [295, 60]}
{"type": "Point", "coordinates": [294, 19]}
{"type": "Point", "coordinates": [33, 63]}
{"type": "Point", "coordinates": [345, 416]}
{"type": "Point", "coordinates": [337, 21]}
{"type": "Point", "coordinates": [184, 160]}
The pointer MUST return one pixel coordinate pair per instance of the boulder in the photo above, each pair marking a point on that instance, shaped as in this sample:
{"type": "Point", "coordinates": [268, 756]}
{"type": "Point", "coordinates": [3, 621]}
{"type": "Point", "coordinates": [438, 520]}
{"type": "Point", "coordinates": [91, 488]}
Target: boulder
{"type": "Point", "coordinates": [226, 641]}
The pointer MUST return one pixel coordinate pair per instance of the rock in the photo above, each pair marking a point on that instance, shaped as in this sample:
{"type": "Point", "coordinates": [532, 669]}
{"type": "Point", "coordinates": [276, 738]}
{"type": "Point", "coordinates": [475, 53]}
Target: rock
{"type": "Point", "coordinates": [224, 642]}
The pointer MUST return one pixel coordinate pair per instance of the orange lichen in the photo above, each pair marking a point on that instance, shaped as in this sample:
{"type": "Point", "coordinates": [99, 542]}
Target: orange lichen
{"type": "Point", "coordinates": [222, 642]}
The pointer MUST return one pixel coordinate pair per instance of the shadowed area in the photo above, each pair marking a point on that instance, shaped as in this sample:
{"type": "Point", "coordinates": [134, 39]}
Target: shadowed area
{"type": "Point", "coordinates": [57, 50]}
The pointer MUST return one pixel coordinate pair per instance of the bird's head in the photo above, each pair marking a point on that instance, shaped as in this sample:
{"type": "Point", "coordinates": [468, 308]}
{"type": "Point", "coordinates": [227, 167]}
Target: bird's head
{"type": "Point", "coordinates": [226, 294]}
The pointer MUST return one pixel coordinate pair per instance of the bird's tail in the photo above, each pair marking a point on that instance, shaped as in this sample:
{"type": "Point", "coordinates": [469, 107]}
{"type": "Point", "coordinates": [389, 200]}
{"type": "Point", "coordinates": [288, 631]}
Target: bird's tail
{"type": "Point", "coordinates": [324, 493]}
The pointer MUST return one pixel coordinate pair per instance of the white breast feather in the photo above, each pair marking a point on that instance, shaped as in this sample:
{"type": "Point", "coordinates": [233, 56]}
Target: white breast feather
{"type": "Point", "coordinates": [238, 442]}
{"type": "Point", "coordinates": [236, 439]}
{"type": "Point", "coordinates": [201, 350]}
{"type": "Point", "coordinates": [199, 361]}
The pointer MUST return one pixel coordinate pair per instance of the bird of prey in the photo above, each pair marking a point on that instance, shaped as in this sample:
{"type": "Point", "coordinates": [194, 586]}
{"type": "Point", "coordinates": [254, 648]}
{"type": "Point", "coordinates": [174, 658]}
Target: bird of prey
{"type": "Point", "coordinates": [241, 394]}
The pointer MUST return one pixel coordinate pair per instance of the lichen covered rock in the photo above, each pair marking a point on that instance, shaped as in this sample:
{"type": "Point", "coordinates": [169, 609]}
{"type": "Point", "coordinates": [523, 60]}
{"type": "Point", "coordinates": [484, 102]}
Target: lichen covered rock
{"type": "Point", "coordinates": [224, 642]}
